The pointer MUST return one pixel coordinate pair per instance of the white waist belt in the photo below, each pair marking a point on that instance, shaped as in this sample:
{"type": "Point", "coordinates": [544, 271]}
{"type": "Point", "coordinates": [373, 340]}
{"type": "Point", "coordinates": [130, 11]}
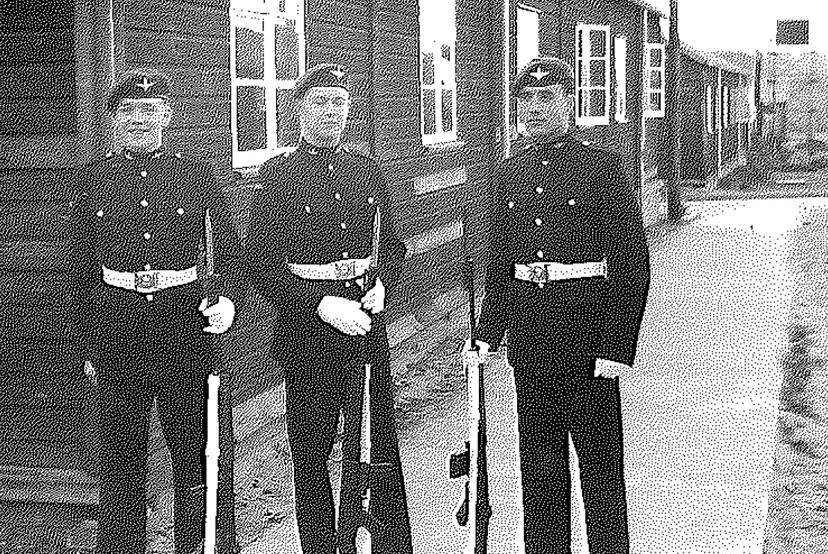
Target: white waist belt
{"type": "Point", "coordinates": [340, 270]}
{"type": "Point", "coordinates": [545, 272]}
{"type": "Point", "coordinates": [147, 282]}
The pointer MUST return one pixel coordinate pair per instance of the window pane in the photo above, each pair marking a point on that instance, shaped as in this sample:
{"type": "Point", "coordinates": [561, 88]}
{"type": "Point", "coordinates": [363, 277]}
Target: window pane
{"type": "Point", "coordinates": [597, 98]}
{"type": "Point", "coordinates": [249, 54]}
{"type": "Point", "coordinates": [287, 52]}
{"type": "Point", "coordinates": [583, 73]}
{"type": "Point", "coordinates": [287, 119]}
{"type": "Point", "coordinates": [655, 101]}
{"type": "Point", "coordinates": [251, 121]}
{"type": "Point", "coordinates": [283, 6]}
{"type": "Point", "coordinates": [580, 43]}
{"type": "Point", "coordinates": [655, 79]}
{"type": "Point", "coordinates": [429, 115]}
{"type": "Point", "coordinates": [448, 118]}
{"type": "Point", "coordinates": [655, 57]}
{"type": "Point", "coordinates": [597, 78]}
{"type": "Point", "coordinates": [583, 100]}
{"type": "Point", "coordinates": [445, 52]}
{"type": "Point", "coordinates": [597, 43]}
{"type": "Point", "coordinates": [428, 68]}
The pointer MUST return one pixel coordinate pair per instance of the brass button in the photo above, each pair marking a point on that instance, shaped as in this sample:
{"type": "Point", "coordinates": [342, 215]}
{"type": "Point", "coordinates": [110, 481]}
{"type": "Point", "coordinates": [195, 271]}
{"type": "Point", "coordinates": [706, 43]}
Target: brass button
{"type": "Point", "coordinates": [344, 255]}
{"type": "Point", "coordinates": [144, 203]}
{"type": "Point", "coordinates": [143, 174]}
{"type": "Point", "coordinates": [370, 199]}
{"type": "Point", "coordinates": [338, 196]}
{"type": "Point", "coordinates": [343, 226]}
{"type": "Point", "coordinates": [571, 202]}
{"type": "Point", "coordinates": [180, 211]}
{"type": "Point", "coordinates": [511, 204]}
{"type": "Point", "coordinates": [539, 190]}
{"type": "Point", "coordinates": [147, 236]}
{"type": "Point", "coordinates": [540, 254]}
{"type": "Point", "coordinates": [307, 209]}
{"type": "Point", "coordinates": [538, 221]}
{"type": "Point", "coordinates": [100, 213]}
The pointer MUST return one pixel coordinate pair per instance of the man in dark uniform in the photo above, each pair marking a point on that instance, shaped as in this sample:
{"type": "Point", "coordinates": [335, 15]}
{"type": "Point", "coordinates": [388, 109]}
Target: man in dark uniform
{"type": "Point", "coordinates": [310, 242]}
{"type": "Point", "coordinates": [568, 278]}
{"type": "Point", "coordinates": [139, 228]}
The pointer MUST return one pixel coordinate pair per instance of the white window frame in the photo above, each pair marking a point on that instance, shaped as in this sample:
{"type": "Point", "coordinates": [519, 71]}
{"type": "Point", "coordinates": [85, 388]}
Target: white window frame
{"type": "Point", "coordinates": [725, 107]}
{"type": "Point", "coordinates": [708, 110]}
{"type": "Point", "coordinates": [648, 88]}
{"type": "Point", "coordinates": [619, 47]}
{"type": "Point", "coordinates": [262, 14]}
{"type": "Point", "coordinates": [445, 73]}
{"type": "Point", "coordinates": [584, 30]}
{"type": "Point", "coordinates": [525, 14]}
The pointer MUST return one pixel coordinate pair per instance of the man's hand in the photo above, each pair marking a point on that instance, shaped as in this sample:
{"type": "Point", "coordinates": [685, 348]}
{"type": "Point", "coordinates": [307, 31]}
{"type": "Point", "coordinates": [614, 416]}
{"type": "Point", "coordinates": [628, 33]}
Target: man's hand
{"type": "Point", "coordinates": [609, 369]}
{"type": "Point", "coordinates": [344, 315]}
{"type": "Point", "coordinates": [220, 315]}
{"type": "Point", "coordinates": [374, 299]}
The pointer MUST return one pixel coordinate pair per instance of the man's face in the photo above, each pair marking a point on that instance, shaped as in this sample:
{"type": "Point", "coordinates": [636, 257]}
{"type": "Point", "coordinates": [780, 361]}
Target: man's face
{"type": "Point", "coordinates": [323, 113]}
{"type": "Point", "coordinates": [545, 111]}
{"type": "Point", "coordinates": [138, 124]}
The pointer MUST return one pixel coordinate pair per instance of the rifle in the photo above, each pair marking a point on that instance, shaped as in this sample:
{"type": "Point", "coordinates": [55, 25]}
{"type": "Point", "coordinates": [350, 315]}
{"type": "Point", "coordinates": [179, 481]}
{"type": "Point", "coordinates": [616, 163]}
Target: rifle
{"type": "Point", "coordinates": [355, 523]}
{"type": "Point", "coordinates": [218, 462]}
{"type": "Point", "coordinates": [474, 511]}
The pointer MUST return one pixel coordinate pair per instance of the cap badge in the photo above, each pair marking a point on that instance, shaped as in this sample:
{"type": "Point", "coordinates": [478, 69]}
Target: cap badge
{"type": "Point", "coordinates": [337, 73]}
{"type": "Point", "coordinates": [145, 84]}
{"type": "Point", "coordinates": [538, 74]}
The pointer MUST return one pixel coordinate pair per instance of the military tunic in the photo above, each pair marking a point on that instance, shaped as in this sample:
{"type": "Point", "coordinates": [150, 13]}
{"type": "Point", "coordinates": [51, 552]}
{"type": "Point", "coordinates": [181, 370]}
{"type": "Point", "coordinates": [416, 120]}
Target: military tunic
{"type": "Point", "coordinates": [317, 206]}
{"type": "Point", "coordinates": [567, 202]}
{"type": "Point", "coordinates": [135, 212]}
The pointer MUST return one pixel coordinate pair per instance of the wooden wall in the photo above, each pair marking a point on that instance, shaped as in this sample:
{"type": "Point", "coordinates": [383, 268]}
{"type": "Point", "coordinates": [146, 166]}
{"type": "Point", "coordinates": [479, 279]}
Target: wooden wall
{"type": "Point", "coordinates": [694, 135]}
{"type": "Point", "coordinates": [41, 405]}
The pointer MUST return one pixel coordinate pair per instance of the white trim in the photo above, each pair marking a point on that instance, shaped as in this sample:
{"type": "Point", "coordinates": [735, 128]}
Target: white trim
{"type": "Point", "coordinates": [507, 101]}
{"type": "Point", "coordinates": [648, 89]}
{"type": "Point", "coordinates": [620, 78]}
{"type": "Point", "coordinates": [708, 109]}
{"type": "Point", "coordinates": [262, 16]}
{"type": "Point", "coordinates": [585, 30]}
{"type": "Point", "coordinates": [445, 73]}
{"type": "Point", "coordinates": [718, 123]}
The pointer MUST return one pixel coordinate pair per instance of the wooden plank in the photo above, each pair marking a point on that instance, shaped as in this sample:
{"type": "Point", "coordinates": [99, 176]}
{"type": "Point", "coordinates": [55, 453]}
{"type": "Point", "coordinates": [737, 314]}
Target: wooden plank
{"type": "Point", "coordinates": [37, 46]}
{"type": "Point", "coordinates": [177, 17]}
{"type": "Point", "coordinates": [200, 142]}
{"type": "Point", "coordinates": [357, 61]}
{"type": "Point", "coordinates": [212, 111]}
{"type": "Point", "coordinates": [46, 116]}
{"type": "Point", "coordinates": [434, 238]}
{"type": "Point", "coordinates": [35, 185]}
{"type": "Point", "coordinates": [333, 11]}
{"type": "Point", "coordinates": [34, 221]}
{"type": "Point", "coordinates": [19, 323]}
{"type": "Point", "coordinates": [28, 357]}
{"type": "Point", "coordinates": [34, 256]}
{"type": "Point", "coordinates": [433, 182]}
{"type": "Point", "coordinates": [38, 80]}
{"type": "Point", "coordinates": [39, 454]}
{"type": "Point", "coordinates": [346, 34]}
{"type": "Point", "coordinates": [48, 424]}
{"type": "Point", "coordinates": [21, 15]}
{"type": "Point", "coordinates": [148, 48]}
{"type": "Point", "coordinates": [34, 288]}
{"type": "Point", "coordinates": [42, 495]}
{"type": "Point", "coordinates": [396, 43]}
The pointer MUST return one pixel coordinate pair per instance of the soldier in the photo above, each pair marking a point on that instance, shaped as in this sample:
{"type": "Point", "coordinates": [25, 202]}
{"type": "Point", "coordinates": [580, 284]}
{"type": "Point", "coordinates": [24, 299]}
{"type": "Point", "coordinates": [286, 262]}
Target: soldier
{"type": "Point", "coordinates": [310, 242]}
{"type": "Point", "coordinates": [568, 277]}
{"type": "Point", "coordinates": [138, 223]}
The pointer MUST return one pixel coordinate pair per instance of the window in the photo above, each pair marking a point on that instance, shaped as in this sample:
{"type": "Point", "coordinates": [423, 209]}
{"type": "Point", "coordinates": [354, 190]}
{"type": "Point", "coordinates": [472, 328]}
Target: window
{"type": "Point", "coordinates": [708, 112]}
{"type": "Point", "coordinates": [654, 81]}
{"type": "Point", "coordinates": [528, 35]}
{"type": "Point", "coordinates": [266, 58]}
{"type": "Point", "coordinates": [438, 88]}
{"type": "Point", "coordinates": [592, 78]}
{"type": "Point", "coordinates": [620, 47]}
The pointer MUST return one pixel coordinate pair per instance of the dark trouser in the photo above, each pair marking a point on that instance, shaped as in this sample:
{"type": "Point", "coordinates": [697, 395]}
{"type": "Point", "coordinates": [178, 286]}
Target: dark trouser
{"type": "Point", "coordinates": [151, 352]}
{"type": "Point", "coordinates": [589, 409]}
{"type": "Point", "coordinates": [319, 384]}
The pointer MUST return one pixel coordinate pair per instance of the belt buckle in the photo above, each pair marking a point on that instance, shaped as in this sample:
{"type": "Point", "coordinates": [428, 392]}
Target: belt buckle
{"type": "Point", "coordinates": [540, 273]}
{"type": "Point", "coordinates": [345, 269]}
{"type": "Point", "coordinates": [146, 281]}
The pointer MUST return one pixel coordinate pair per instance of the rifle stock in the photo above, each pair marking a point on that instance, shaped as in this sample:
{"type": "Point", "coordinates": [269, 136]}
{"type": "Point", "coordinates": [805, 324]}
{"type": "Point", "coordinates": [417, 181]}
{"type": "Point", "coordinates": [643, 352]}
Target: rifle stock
{"type": "Point", "coordinates": [475, 510]}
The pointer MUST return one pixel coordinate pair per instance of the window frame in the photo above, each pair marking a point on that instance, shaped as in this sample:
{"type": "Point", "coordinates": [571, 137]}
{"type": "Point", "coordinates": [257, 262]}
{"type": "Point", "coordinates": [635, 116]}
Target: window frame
{"type": "Point", "coordinates": [708, 110]}
{"type": "Point", "coordinates": [440, 136]}
{"type": "Point", "coordinates": [586, 29]}
{"type": "Point", "coordinates": [621, 116]}
{"type": "Point", "coordinates": [267, 13]}
{"type": "Point", "coordinates": [725, 107]}
{"type": "Point", "coordinates": [648, 69]}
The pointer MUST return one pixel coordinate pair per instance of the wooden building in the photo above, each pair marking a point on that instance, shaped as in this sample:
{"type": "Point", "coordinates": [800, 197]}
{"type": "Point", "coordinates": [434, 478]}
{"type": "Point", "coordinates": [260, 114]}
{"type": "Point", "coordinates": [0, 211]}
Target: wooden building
{"type": "Point", "coordinates": [430, 101]}
{"type": "Point", "coordinates": [716, 116]}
